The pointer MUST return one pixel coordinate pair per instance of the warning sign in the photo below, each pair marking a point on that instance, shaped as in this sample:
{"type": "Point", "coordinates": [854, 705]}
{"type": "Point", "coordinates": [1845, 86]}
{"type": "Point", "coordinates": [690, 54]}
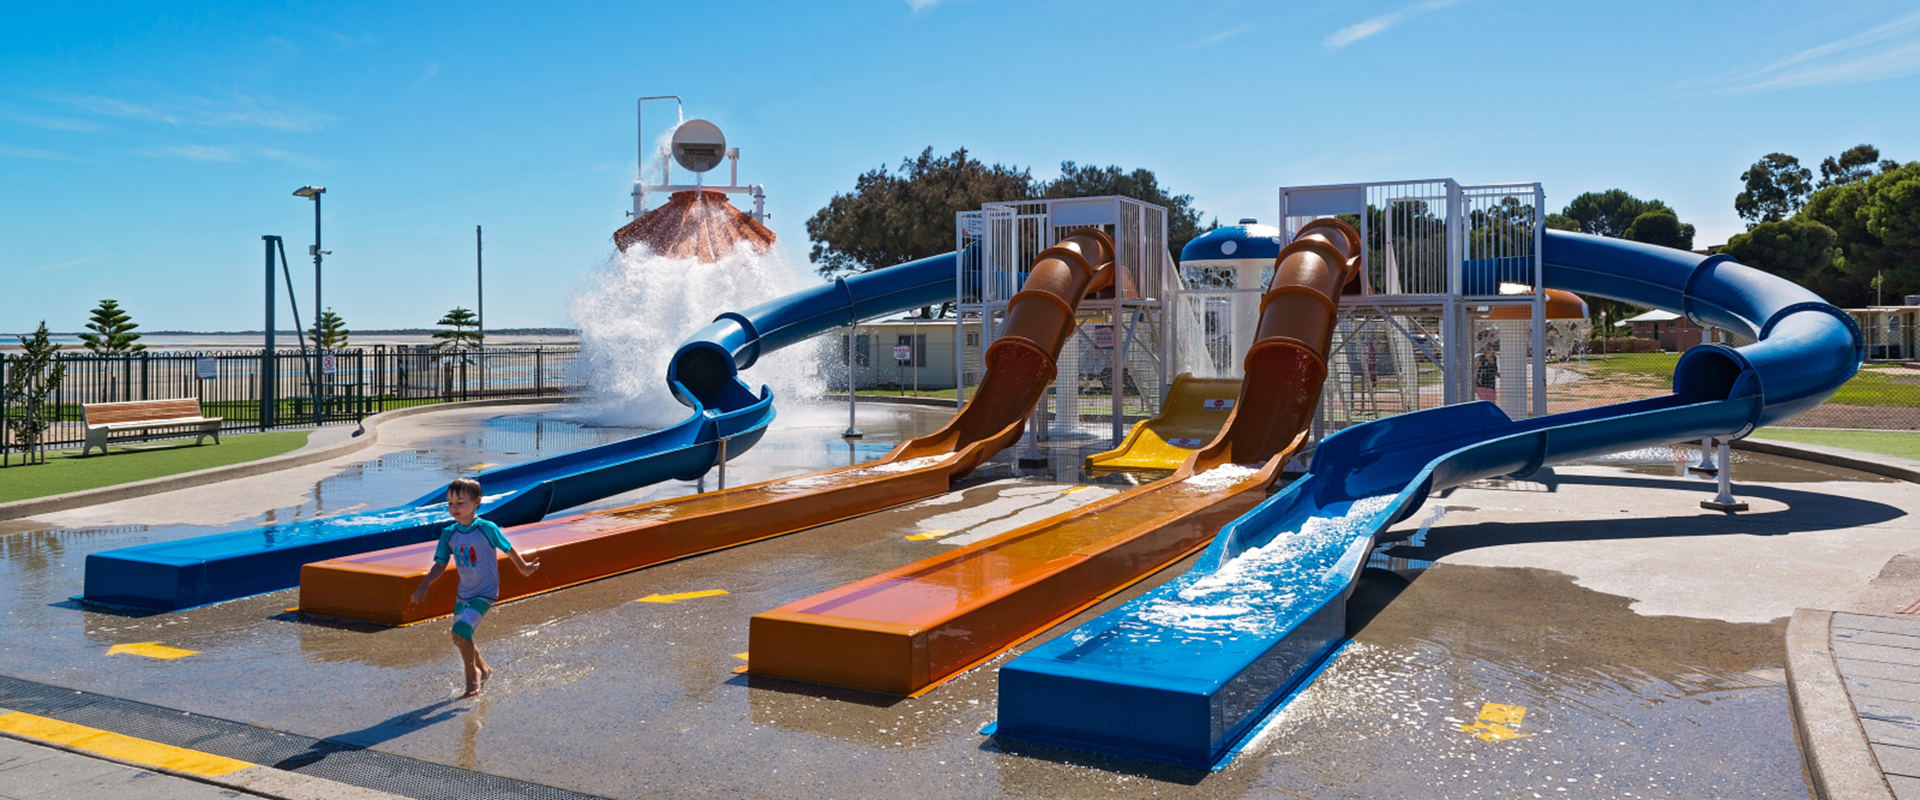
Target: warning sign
{"type": "Point", "coordinates": [327, 364]}
{"type": "Point", "coordinates": [1103, 337]}
{"type": "Point", "coordinates": [1217, 404]}
{"type": "Point", "coordinates": [206, 368]}
{"type": "Point", "coordinates": [903, 353]}
{"type": "Point", "coordinates": [1187, 443]}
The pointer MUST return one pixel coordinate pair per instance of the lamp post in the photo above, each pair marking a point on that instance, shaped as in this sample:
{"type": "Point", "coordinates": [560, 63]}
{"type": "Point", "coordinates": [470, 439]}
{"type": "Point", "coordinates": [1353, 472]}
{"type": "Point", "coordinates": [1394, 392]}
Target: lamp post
{"type": "Point", "coordinates": [313, 193]}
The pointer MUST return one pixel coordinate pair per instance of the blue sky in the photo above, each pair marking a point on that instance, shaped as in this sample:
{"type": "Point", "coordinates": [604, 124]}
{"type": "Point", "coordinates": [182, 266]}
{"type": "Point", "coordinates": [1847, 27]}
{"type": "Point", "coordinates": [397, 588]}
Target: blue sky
{"type": "Point", "coordinates": [144, 148]}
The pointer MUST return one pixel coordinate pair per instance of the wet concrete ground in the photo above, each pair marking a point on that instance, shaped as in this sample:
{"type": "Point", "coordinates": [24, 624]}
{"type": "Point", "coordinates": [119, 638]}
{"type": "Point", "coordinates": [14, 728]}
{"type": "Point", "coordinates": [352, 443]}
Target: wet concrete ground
{"type": "Point", "coordinates": [1641, 634]}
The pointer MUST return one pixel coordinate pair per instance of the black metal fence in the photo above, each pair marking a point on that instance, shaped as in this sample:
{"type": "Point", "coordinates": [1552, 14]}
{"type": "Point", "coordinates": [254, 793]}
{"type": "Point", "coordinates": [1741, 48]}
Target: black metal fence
{"type": "Point", "coordinates": [254, 390]}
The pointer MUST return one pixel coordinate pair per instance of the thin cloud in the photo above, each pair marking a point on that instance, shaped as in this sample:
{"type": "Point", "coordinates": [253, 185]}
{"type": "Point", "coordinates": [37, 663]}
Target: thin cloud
{"type": "Point", "coordinates": [64, 264]}
{"type": "Point", "coordinates": [1221, 36]}
{"type": "Point", "coordinates": [232, 154]}
{"type": "Point", "coordinates": [1890, 50]}
{"type": "Point", "coordinates": [921, 5]}
{"type": "Point", "coordinates": [8, 151]}
{"type": "Point", "coordinates": [242, 111]}
{"type": "Point", "coordinates": [1361, 30]}
{"type": "Point", "coordinates": [54, 124]}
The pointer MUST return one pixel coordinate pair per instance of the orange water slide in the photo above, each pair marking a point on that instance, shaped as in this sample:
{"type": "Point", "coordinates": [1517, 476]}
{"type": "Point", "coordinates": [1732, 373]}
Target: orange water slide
{"type": "Point", "coordinates": [377, 586]}
{"type": "Point", "coordinates": [904, 631]}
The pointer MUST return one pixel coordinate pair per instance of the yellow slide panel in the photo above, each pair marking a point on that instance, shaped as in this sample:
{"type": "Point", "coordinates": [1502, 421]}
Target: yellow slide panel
{"type": "Point", "coordinates": [1194, 412]}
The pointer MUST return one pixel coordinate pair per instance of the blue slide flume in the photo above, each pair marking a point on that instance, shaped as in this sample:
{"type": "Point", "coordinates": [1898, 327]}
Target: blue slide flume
{"type": "Point", "coordinates": [704, 375]}
{"type": "Point", "coordinates": [1182, 673]}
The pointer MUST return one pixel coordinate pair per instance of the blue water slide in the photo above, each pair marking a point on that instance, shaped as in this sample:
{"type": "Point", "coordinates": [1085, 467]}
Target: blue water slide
{"type": "Point", "coordinates": [704, 375]}
{"type": "Point", "coordinates": [1182, 673]}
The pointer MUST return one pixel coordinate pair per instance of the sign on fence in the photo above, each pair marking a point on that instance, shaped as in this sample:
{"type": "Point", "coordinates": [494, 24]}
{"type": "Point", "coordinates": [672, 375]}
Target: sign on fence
{"type": "Point", "coordinates": [903, 353]}
{"type": "Point", "coordinates": [1103, 337]}
{"type": "Point", "coordinates": [327, 364]}
{"type": "Point", "coordinates": [206, 368]}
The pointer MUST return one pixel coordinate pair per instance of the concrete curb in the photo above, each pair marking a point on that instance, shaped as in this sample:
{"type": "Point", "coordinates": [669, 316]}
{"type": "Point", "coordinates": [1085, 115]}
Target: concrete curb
{"type": "Point", "coordinates": [1875, 463]}
{"type": "Point", "coordinates": [259, 780]}
{"type": "Point", "coordinates": [1839, 762]}
{"type": "Point", "coordinates": [314, 452]}
{"type": "Point", "coordinates": [936, 402]}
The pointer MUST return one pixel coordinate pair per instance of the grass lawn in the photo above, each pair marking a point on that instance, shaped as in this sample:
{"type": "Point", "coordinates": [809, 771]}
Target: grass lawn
{"type": "Point", "coordinates": [1899, 444]}
{"type": "Point", "coordinates": [1874, 385]}
{"type": "Point", "coordinates": [67, 471]}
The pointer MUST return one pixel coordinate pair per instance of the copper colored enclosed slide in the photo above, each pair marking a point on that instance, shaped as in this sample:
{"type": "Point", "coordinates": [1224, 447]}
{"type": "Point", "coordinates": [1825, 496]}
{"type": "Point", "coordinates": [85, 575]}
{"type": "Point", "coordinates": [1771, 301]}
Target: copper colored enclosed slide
{"type": "Point", "coordinates": [903, 631]}
{"type": "Point", "coordinates": [377, 586]}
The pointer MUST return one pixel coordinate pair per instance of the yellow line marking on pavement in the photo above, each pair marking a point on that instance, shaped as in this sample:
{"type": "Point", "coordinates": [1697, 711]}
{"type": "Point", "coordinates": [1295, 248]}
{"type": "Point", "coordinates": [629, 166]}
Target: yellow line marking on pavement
{"type": "Point", "coordinates": [125, 748]}
{"type": "Point", "coordinates": [668, 598]}
{"type": "Point", "coordinates": [742, 669]}
{"type": "Point", "coordinates": [151, 650]}
{"type": "Point", "coordinates": [1494, 721]}
{"type": "Point", "coordinates": [741, 656]}
{"type": "Point", "coordinates": [1073, 489]}
{"type": "Point", "coordinates": [483, 466]}
{"type": "Point", "coordinates": [925, 535]}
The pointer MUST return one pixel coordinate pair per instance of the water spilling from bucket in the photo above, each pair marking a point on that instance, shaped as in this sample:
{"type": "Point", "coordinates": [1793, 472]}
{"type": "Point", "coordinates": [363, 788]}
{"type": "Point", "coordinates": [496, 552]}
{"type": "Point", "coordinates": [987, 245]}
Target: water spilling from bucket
{"type": "Point", "coordinates": [634, 312]}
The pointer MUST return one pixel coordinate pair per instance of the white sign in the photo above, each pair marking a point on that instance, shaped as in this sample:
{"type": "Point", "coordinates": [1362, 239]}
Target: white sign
{"type": "Point", "coordinates": [903, 353]}
{"type": "Point", "coordinates": [1217, 404]}
{"type": "Point", "coordinates": [327, 364]}
{"type": "Point", "coordinates": [973, 225]}
{"type": "Point", "coordinates": [1103, 337]}
{"type": "Point", "coordinates": [206, 368]}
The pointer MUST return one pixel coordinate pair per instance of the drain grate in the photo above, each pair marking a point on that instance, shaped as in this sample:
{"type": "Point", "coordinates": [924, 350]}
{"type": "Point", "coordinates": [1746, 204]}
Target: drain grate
{"type": "Point", "coordinates": [320, 758]}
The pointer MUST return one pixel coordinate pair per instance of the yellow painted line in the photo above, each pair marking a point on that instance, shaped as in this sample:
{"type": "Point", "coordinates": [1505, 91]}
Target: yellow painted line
{"type": "Point", "coordinates": [482, 466]}
{"type": "Point", "coordinates": [741, 656]}
{"type": "Point", "coordinates": [925, 535]}
{"type": "Point", "coordinates": [1496, 722]}
{"type": "Point", "coordinates": [151, 650]}
{"type": "Point", "coordinates": [1071, 490]}
{"type": "Point", "coordinates": [669, 598]}
{"type": "Point", "coordinates": [742, 669]}
{"type": "Point", "coordinates": [125, 748]}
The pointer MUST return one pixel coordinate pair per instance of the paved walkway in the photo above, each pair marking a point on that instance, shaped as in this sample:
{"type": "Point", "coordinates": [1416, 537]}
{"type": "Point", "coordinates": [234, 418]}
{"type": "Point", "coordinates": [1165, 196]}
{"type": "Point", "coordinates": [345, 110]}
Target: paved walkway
{"type": "Point", "coordinates": [1879, 660]}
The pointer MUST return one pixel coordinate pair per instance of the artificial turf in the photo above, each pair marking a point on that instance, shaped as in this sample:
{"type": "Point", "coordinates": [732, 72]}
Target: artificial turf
{"type": "Point", "coordinates": [1899, 444]}
{"type": "Point", "coordinates": [68, 471]}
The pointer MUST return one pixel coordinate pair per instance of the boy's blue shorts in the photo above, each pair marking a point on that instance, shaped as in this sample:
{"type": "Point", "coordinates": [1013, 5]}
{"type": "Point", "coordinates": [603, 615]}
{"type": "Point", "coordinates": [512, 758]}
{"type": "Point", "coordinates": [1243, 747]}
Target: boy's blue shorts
{"type": "Point", "coordinates": [467, 614]}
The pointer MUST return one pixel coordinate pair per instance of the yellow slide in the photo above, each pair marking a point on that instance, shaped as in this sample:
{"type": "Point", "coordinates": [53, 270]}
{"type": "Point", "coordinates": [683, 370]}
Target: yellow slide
{"type": "Point", "coordinates": [1194, 412]}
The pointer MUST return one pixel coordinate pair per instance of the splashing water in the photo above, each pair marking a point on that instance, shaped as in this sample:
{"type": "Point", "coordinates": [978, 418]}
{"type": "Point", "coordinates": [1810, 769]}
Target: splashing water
{"type": "Point", "coordinates": [634, 313]}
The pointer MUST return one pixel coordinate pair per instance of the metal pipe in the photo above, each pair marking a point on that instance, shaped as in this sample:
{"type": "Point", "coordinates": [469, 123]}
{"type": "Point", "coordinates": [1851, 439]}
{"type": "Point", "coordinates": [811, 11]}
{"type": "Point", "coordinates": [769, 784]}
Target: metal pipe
{"type": "Point", "coordinates": [853, 430]}
{"type": "Point", "coordinates": [269, 371]}
{"type": "Point", "coordinates": [480, 289]}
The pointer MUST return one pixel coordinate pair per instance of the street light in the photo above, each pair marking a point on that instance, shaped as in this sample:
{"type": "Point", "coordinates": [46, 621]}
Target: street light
{"type": "Point", "coordinates": [313, 193]}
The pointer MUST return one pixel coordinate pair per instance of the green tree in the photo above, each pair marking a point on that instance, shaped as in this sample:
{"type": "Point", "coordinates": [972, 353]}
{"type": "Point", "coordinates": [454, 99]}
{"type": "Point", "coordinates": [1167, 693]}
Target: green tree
{"type": "Point", "coordinates": [891, 219]}
{"type": "Point", "coordinates": [1855, 164]}
{"type": "Point", "coordinates": [462, 332]}
{"type": "Point", "coordinates": [1877, 224]}
{"type": "Point", "coordinates": [112, 331]}
{"type": "Point", "coordinates": [1776, 187]}
{"type": "Point", "coordinates": [332, 334]}
{"type": "Point", "coordinates": [1799, 249]}
{"type": "Point", "coordinates": [1183, 220]}
{"type": "Point", "coordinates": [1608, 213]}
{"type": "Point", "coordinates": [1661, 227]}
{"type": "Point", "coordinates": [32, 379]}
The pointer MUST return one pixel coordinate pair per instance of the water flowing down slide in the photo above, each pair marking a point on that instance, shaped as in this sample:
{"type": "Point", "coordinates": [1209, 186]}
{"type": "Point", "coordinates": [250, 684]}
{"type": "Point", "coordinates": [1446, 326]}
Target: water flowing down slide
{"type": "Point", "coordinates": [377, 586]}
{"type": "Point", "coordinates": [905, 630]}
{"type": "Point", "coordinates": [1194, 411]}
{"type": "Point", "coordinates": [1182, 673]}
{"type": "Point", "coordinates": [704, 375]}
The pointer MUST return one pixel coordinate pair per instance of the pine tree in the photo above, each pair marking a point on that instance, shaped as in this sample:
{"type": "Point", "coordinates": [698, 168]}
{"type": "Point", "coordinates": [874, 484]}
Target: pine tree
{"type": "Point", "coordinates": [333, 333]}
{"type": "Point", "coordinates": [31, 382]}
{"type": "Point", "coordinates": [462, 334]}
{"type": "Point", "coordinates": [112, 331]}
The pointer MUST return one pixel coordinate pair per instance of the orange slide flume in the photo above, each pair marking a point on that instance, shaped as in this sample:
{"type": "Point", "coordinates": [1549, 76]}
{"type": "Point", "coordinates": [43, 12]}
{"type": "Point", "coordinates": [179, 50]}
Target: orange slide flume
{"type": "Point", "coordinates": [377, 586]}
{"type": "Point", "coordinates": [906, 630]}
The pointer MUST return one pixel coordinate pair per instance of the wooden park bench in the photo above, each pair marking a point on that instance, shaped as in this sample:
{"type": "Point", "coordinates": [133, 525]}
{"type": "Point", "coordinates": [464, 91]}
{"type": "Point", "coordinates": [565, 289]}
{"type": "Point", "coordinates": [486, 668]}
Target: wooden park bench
{"type": "Point", "coordinates": [141, 420]}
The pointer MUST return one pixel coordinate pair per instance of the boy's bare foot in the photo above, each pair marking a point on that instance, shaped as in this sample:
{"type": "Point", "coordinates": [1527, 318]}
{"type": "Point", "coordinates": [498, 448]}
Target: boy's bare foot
{"type": "Point", "coordinates": [486, 672]}
{"type": "Point", "coordinates": [473, 690]}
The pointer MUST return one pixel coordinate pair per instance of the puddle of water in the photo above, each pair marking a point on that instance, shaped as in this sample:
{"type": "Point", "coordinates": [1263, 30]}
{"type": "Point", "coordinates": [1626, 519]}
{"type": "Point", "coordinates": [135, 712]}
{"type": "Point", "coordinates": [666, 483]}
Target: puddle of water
{"type": "Point", "coordinates": [1675, 461]}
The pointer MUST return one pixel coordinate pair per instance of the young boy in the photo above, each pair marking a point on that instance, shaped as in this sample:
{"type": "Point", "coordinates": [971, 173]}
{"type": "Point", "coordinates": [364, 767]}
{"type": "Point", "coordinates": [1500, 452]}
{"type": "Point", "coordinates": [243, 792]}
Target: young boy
{"type": "Point", "coordinates": [469, 542]}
